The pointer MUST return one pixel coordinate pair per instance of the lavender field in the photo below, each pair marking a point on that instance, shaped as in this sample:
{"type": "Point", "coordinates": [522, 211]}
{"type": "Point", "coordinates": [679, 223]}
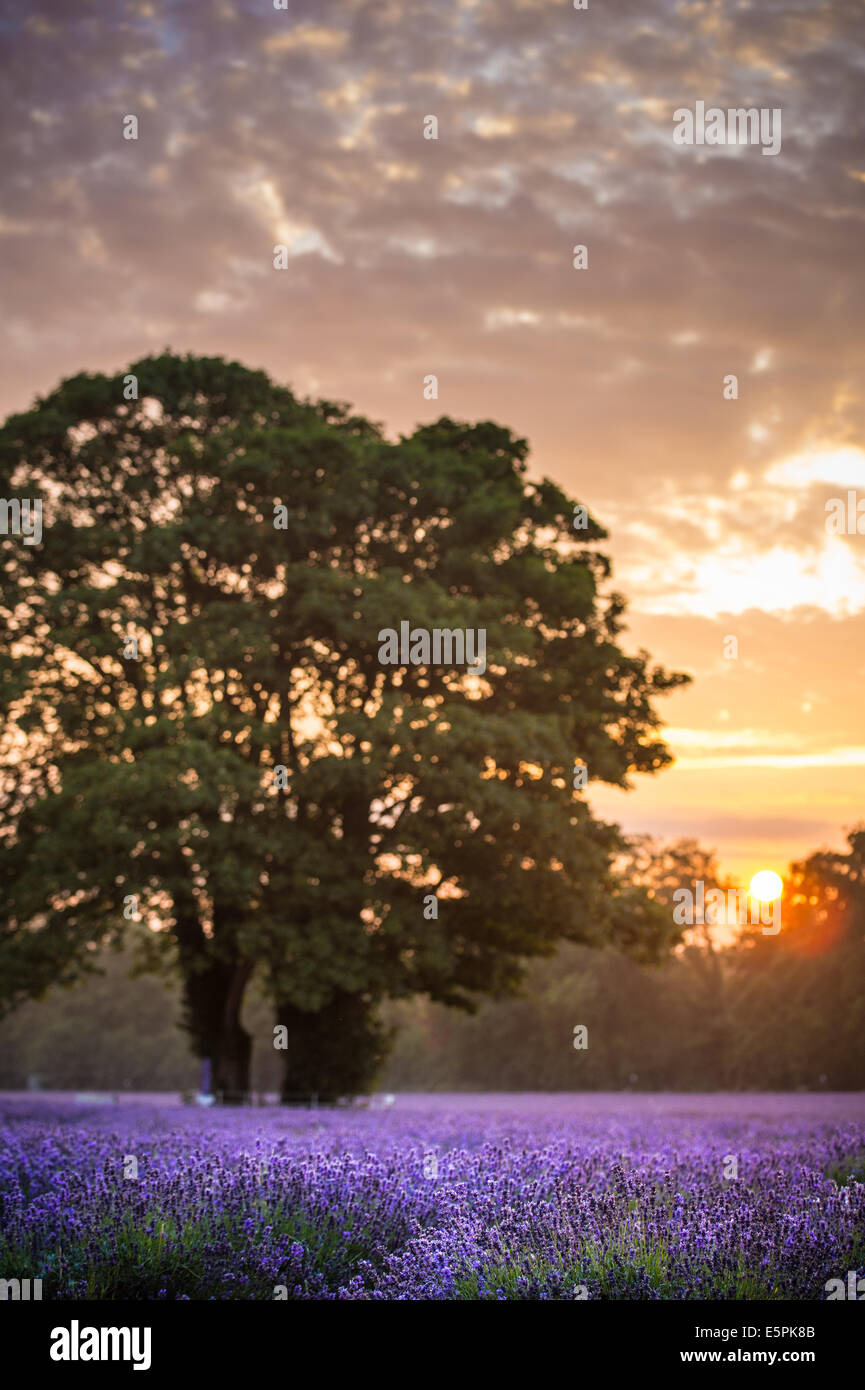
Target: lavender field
{"type": "Point", "coordinates": [436, 1197]}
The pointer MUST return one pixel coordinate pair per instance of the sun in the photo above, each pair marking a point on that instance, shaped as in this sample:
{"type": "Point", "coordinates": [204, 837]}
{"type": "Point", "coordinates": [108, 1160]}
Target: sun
{"type": "Point", "coordinates": [766, 886]}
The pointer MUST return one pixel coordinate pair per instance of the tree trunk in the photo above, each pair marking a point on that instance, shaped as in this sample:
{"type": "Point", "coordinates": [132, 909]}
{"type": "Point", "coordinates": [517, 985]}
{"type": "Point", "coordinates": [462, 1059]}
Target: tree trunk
{"type": "Point", "coordinates": [332, 1053]}
{"type": "Point", "coordinates": [213, 998]}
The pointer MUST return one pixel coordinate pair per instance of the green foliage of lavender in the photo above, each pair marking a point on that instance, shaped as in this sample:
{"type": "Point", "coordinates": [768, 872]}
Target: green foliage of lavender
{"type": "Point", "coordinates": [457, 1198]}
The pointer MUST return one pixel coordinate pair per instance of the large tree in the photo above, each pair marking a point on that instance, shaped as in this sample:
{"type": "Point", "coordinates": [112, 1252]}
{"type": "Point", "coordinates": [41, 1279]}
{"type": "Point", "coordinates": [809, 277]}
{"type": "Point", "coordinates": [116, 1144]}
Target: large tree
{"type": "Point", "coordinates": [195, 714]}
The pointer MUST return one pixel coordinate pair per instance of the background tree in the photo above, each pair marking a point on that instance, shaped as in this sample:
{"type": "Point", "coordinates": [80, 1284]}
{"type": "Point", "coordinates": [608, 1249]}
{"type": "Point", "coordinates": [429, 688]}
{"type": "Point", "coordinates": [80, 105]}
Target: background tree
{"type": "Point", "coordinates": [195, 715]}
{"type": "Point", "coordinates": [662, 869]}
{"type": "Point", "coordinates": [799, 996]}
{"type": "Point", "coordinates": [730, 1009]}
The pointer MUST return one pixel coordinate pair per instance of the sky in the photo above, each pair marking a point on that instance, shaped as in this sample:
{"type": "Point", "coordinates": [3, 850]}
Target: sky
{"type": "Point", "coordinates": [408, 256]}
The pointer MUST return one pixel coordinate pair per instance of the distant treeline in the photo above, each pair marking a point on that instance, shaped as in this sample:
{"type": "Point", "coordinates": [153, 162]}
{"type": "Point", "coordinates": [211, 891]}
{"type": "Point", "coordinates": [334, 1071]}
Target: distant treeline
{"type": "Point", "coordinates": [770, 1013]}
{"type": "Point", "coordinates": [773, 1013]}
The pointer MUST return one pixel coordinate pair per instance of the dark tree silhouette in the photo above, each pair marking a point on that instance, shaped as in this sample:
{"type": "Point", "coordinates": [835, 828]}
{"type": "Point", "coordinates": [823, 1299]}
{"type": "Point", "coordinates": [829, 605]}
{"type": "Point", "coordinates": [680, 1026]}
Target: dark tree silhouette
{"type": "Point", "coordinates": [199, 729]}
